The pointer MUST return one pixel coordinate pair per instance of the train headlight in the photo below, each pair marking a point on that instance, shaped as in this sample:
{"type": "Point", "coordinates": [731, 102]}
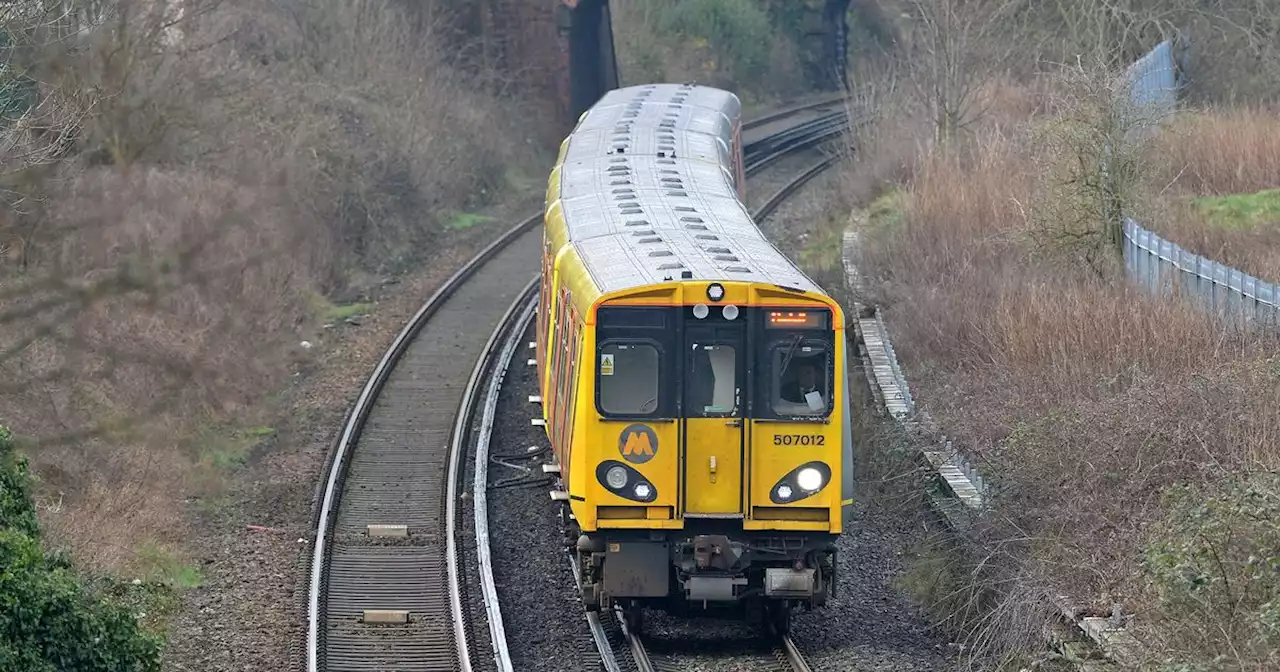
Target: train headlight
{"type": "Point", "coordinates": [624, 481]}
{"type": "Point", "coordinates": [701, 311]}
{"type": "Point", "coordinates": [802, 482]}
{"type": "Point", "coordinates": [730, 312]}
{"type": "Point", "coordinates": [809, 479]}
{"type": "Point", "coordinates": [715, 291]}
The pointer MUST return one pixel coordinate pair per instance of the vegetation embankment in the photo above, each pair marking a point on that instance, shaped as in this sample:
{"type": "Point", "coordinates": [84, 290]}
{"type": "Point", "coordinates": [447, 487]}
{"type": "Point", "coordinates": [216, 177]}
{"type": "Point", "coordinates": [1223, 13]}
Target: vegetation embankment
{"type": "Point", "coordinates": [1218, 195]}
{"type": "Point", "coordinates": [53, 618]}
{"type": "Point", "coordinates": [763, 50]}
{"type": "Point", "coordinates": [190, 192]}
{"type": "Point", "coordinates": [1130, 439]}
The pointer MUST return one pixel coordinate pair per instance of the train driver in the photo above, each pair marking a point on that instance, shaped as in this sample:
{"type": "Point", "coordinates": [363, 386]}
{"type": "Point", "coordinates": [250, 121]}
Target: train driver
{"type": "Point", "coordinates": [805, 383]}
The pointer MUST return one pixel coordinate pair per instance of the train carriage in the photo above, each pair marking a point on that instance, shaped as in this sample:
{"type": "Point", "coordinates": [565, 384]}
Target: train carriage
{"type": "Point", "coordinates": [692, 377]}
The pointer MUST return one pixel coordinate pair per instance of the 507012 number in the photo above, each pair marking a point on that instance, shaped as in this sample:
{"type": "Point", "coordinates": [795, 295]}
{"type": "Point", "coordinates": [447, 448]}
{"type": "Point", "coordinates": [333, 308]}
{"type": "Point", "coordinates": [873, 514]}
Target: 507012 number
{"type": "Point", "coordinates": [799, 440]}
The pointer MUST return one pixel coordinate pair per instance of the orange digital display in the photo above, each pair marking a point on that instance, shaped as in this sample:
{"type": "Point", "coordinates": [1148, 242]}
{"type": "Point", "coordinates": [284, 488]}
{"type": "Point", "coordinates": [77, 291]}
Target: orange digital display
{"type": "Point", "coordinates": [796, 319]}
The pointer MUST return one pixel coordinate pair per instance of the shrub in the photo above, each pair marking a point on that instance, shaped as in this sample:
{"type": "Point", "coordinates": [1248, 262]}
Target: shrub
{"type": "Point", "coordinates": [744, 45]}
{"type": "Point", "coordinates": [1081, 396]}
{"type": "Point", "coordinates": [1214, 565]}
{"type": "Point", "coordinates": [49, 621]}
{"type": "Point", "coordinates": [737, 30]}
{"type": "Point", "coordinates": [283, 150]}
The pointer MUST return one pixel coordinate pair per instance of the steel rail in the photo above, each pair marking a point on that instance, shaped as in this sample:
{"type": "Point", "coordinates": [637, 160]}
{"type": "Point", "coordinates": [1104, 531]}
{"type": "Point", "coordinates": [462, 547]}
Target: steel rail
{"type": "Point", "coordinates": [360, 412]}
{"type": "Point", "coordinates": [512, 327]}
{"type": "Point", "coordinates": [793, 655]}
{"type": "Point", "coordinates": [638, 652]}
{"type": "Point", "coordinates": [607, 658]}
{"type": "Point", "coordinates": [790, 188]}
{"type": "Point", "coordinates": [791, 111]}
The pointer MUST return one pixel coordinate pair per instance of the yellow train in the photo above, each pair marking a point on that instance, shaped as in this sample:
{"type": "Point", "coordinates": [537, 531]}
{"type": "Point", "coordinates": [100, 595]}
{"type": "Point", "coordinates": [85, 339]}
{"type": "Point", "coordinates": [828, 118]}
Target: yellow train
{"type": "Point", "coordinates": [692, 377]}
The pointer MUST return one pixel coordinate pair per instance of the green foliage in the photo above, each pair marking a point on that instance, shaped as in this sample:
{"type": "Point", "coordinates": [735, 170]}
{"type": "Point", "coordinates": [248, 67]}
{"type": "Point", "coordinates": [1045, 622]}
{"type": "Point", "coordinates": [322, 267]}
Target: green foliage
{"type": "Point", "coordinates": [342, 312]}
{"type": "Point", "coordinates": [739, 31]}
{"type": "Point", "coordinates": [163, 568]}
{"type": "Point", "coordinates": [1242, 211]}
{"type": "Point", "coordinates": [465, 220]}
{"type": "Point", "coordinates": [1215, 566]}
{"type": "Point", "coordinates": [16, 511]}
{"type": "Point", "coordinates": [49, 621]}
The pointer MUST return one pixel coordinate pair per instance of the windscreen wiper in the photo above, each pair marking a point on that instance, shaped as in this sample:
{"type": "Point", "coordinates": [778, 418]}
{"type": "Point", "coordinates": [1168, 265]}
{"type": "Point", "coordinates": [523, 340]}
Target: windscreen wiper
{"type": "Point", "coordinates": [791, 351]}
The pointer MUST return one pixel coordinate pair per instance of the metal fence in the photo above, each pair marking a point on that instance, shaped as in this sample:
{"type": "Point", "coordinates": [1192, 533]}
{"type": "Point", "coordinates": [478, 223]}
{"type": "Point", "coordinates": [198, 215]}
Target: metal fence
{"type": "Point", "coordinates": [1164, 267]}
{"type": "Point", "coordinates": [1153, 83]}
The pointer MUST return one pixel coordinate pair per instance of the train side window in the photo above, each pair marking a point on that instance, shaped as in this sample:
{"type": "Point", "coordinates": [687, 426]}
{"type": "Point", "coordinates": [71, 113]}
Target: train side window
{"type": "Point", "coordinates": [800, 384]}
{"type": "Point", "coordinates": [628, 372]}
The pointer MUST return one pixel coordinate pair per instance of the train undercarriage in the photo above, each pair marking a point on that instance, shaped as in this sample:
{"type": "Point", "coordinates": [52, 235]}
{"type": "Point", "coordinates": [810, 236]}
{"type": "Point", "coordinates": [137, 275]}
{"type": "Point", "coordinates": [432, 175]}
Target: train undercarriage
{"type": "Point", "coordinates": [707, 569]}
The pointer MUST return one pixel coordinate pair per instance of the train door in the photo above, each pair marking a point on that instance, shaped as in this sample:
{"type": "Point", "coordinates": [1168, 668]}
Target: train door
{"type": "Point", "coordinates": [714, 404]}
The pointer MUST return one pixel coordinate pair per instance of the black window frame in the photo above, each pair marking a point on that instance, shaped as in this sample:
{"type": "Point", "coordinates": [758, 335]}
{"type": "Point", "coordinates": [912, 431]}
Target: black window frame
{"type": "Point", "coordinates": [654, 328]}
{"type": "Point", "coordinates": [768, 340]}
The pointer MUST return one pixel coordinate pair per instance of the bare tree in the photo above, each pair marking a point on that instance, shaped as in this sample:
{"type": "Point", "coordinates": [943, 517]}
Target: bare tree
{"type": "Point", "coordinates": [955, 47]}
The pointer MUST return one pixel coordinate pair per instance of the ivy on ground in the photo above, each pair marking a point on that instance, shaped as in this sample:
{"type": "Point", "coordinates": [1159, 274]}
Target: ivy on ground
{"type": "Point", "coordinates": [49, 620]}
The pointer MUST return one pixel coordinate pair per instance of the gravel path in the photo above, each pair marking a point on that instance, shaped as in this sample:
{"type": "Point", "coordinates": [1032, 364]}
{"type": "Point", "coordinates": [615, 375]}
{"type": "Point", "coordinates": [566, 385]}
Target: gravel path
{"type": "Point", "coordinates": [871, 625]}
{"type": "Point", "coordinates": [546, 626]}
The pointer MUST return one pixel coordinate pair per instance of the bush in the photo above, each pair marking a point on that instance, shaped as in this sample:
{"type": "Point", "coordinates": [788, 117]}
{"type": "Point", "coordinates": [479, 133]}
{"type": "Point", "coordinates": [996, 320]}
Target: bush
{"type": "Point", "coordinates": [737, 30]}
{"type": "Point", "coordinates": [48, 620]}
{"type": "Point", "coordinates": [285, 150]}
{"type": "Point", "coordinates": [736, 44]}
{"type": "Point", "coordinates": [1214, 565]}
{"type": "Point", "coordinates": [1092, 396]}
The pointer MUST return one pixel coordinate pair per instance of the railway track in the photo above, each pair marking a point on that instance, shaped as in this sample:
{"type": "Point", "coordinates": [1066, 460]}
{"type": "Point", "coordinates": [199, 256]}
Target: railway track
{"type": "Point", "coordinates": [387, 552]}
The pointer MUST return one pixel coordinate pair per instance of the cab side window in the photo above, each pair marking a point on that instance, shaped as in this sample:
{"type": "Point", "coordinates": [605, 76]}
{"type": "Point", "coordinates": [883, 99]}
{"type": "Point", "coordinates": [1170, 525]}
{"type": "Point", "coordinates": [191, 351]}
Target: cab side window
{"type": "Point", "coordinates": [629, 378]}
{"type": "Point", "coordinates": [800, 378]}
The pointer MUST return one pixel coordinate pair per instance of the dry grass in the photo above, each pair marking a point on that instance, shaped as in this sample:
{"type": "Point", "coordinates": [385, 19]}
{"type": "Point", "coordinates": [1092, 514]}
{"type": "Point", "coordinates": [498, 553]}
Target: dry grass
{"type": "Point", "coordinates": [160, 275]}
{"type": "Point", "coordinates": [1084, 398]}
{"type": "Point", "coordinates": [1232, 153]}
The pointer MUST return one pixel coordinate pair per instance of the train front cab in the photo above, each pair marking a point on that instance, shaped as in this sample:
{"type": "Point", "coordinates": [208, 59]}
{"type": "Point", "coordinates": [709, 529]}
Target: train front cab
{"type": "Point", "coordinates": [716, 462]}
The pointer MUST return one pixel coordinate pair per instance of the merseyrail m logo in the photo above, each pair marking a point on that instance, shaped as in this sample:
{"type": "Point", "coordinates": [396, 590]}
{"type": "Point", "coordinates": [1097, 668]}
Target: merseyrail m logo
{"type": "Point", "coordinates": [638, 444]}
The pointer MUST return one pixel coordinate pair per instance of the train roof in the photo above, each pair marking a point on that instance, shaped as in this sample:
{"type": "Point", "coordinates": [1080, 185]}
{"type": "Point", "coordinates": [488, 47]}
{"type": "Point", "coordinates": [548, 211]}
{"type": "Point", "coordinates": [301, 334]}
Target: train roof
{"type": "Point", "coordinates": [628, 240]}
{"type": "Point", "coordinates": [689, 95]}
{"type": "Point", "coordinates": [597, 142]}
{"type": "Point", "coordinates": [645, 196]}
{"type": "Point", "coordinates": [620, 262]}
{"type": "Point", "coordinates": [621, 176]}
{"type": "Point", "coordinates": [671, 117]}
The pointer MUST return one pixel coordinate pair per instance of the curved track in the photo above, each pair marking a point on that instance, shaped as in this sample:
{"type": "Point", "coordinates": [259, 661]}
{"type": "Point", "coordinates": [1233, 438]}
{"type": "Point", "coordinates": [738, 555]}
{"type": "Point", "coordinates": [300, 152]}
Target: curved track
{"type": "Point", "coordinates": [387, 555]}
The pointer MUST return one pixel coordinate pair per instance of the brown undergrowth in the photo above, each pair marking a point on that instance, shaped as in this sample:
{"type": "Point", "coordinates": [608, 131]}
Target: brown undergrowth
{"type": "Point", "coordinates": [1214, 188]}
{"type": "Point", "coordinates": [1124, 433]}
{"type": "Point", "coordinates": [211, 206]}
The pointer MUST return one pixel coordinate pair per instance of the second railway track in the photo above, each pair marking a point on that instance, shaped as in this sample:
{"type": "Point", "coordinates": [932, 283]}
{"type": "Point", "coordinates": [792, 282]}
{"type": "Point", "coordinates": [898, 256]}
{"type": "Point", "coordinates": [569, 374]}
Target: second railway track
{"type": "Point", "coordinates": [385, 578]}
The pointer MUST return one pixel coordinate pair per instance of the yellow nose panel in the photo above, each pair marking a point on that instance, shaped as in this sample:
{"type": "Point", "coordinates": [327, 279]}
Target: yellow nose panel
{"type": "Point", "coordinates": [713, 466]}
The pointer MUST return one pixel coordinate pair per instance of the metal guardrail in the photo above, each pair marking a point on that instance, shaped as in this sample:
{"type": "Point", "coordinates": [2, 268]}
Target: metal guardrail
{"type": "Point", "coordinates": [1164, 267]}
{"type": "Point", "coordinates": [1154, 82]}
